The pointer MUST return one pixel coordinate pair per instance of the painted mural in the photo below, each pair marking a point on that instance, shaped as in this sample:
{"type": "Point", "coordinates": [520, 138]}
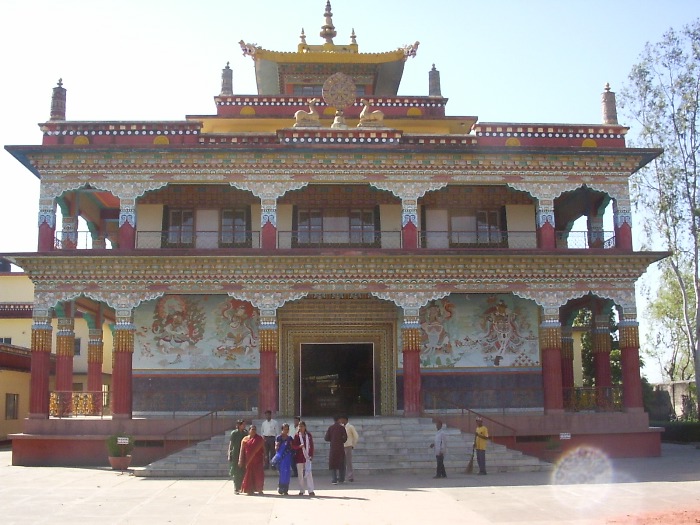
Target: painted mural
{"type": "Point", "coordinates": [475, 330]}
{"type": "Point", "coordinates": [196, 332]}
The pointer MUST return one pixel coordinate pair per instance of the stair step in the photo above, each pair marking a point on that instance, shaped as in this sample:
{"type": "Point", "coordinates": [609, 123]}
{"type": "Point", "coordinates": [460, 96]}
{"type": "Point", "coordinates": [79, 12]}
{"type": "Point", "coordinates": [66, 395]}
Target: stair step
{"type": "Point", "coordinates": [398, 445]}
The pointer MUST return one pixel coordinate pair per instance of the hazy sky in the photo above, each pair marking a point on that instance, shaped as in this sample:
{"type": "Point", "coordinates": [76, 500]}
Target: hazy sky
{"type": "Point", "coordinates": [510, 61]}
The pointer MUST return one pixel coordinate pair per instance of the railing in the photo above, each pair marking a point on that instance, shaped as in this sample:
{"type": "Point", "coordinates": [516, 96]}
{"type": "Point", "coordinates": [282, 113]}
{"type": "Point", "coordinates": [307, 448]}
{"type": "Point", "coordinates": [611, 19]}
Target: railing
{"type": "Point", "coordinates": [438, 399]}
{"type": "Point", "coordinates": [389, 239]}
{"type": "Point", "coordinates": [583, 240]}
{"type": "Point", "coordinates": [478, 239]}
{"type": "Point", "coordinates": [201, 240]}
{"type": "Point", "coordinates": [73, 404]}
{"type": "Point", "coordinates": [593, 399]}
{"type": "Point", "coordinates": [339, 239]}
{"type": "Point", "coordinates": [79, 240]}
{"type": "Point", "coordinates": [197, 429]}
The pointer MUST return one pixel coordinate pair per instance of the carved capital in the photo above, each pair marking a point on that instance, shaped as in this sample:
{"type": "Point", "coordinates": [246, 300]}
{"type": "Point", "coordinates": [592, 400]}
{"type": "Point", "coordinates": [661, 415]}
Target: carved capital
{"type": "Point", "coordinates": [267, 186]}
{"type": "Point", "coordinates": [267, 302]}
{"type": "Point", "coordinates": [411, 302]}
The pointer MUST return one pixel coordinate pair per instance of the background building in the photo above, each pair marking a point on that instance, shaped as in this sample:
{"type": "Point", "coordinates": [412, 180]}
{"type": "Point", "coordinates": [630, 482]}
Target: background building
{"type": "Point", "coordinates": [328, 245]}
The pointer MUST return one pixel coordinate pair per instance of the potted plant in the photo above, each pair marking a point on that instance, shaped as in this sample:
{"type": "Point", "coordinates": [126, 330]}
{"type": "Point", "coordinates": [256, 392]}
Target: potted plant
{"type": "Point", "coordinates": [119, 447]}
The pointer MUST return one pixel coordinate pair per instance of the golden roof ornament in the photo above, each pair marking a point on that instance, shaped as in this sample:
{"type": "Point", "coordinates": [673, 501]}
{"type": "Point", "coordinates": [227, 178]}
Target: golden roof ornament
{"type": "Point", "coordinates": [328, 31]}
{"type": "Point", "coordinates": [339, 91]}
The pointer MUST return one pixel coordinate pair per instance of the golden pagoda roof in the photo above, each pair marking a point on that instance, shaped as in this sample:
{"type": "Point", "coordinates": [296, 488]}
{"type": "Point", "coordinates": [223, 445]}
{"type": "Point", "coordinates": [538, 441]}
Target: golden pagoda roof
{"type": "Point", "coordinates": [274, 69]}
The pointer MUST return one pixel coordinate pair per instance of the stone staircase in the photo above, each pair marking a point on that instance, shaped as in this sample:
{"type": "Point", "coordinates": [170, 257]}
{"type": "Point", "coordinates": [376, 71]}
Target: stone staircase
{"type": "Point", "coordinates": [387, 444]}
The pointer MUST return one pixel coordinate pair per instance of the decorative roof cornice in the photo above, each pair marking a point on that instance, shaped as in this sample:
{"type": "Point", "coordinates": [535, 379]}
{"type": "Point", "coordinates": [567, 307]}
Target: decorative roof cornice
{"type": "Point", "coordinates": [508, 270]}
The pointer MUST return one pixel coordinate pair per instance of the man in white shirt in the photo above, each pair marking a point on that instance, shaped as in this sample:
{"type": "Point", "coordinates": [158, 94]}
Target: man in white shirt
{"type": "Point", "coordinates": [269, 429]}
{"type": "Point", "coordinates": [350, 444]}
{"type": "Point", "coordinates": [440, 447]}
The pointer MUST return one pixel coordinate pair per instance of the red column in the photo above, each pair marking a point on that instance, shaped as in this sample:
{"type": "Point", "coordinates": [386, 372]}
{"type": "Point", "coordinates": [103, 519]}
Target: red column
{"type": "Point", "coordinates": [95, 359]}
{"type": "Point", "coordinates": [409, 236]}
{"type": "Point", "coordinates": [601, 361]}
{"type": "Point", "coordinates": [623, 237]}
{"type": "Point", "coordinates": [567, 365]}
{"type": "Point", "coordinates": [65, 341]}
{"type": "Point", "coordinates": [47, 236]}
{"type": "Point", "coordinates": [40, 369]}
{"type": "Point", "coordinates": [127, 223]}
{"type": "Point", "coordinates": [269, 236]}
{"type": "Point", "coordinates": [127, 237]}
{"type": "Point", "coordinates": [546, 237]}
{"type": "Point", "coordinates": [546, 234]}
{"type": "Point", "coordinates": [411, 372]}
{"type": "Point", "coordinates": [631, 380]}
{"type": "Point", "coordinates": [550, 344]}
{"type": "Point", "coordinates": [268, 397]}
{"type": "Point", "coordinates": [122, 371]}
{"type": "Point", "coordinates": [623, 224]}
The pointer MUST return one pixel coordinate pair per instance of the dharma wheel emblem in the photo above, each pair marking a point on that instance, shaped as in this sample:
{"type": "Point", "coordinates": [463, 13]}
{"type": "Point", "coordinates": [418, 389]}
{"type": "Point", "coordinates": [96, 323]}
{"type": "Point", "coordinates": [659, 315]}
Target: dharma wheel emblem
{"type": "Point", "coordinates": [339, 91]}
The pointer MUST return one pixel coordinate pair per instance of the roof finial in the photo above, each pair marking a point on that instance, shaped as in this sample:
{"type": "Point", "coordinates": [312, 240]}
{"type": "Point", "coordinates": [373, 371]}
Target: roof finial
{"type": "Point", "coordinates": [226, 81]}
{"type": "Point", "coordinates": [58, 102]}
{"type": "Point", "coordinates": [303, 36]}
{"type": "Point", "coordinates": [434, 83]}
{"type": "Point", "coordinates": [609, 106]}
{"type": "Point", "coordinates": [328, 29]}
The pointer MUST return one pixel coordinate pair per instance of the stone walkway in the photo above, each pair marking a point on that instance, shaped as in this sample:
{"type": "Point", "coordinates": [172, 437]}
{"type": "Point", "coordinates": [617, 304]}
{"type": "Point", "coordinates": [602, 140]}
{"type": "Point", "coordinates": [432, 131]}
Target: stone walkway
{"type": "Point", "coordinates": [583, 489]}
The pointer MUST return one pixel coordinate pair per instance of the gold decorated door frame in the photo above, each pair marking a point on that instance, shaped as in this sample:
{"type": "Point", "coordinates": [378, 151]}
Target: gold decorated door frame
{"type": "Point", "coordinates": [338, 320]}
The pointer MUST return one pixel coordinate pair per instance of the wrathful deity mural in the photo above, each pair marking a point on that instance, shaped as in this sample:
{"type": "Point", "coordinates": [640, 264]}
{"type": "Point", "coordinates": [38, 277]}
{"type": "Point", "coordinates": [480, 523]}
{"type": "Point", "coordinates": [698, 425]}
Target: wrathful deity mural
{"type": "Point", "coordinates": [472, 330]}
{"type": "Point", "coordinates": [196, 332]}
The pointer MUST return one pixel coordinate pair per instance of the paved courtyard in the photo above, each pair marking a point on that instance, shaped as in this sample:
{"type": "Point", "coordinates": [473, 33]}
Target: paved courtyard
{"type": "Point", "coordinates": [584, 489]}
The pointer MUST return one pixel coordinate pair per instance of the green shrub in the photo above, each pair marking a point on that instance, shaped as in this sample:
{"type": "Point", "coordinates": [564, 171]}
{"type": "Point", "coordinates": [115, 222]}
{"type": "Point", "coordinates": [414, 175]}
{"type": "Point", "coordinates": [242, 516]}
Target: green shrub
{"type": "Point", "coordinates": [115, 450]}
{"type": "Point", "coordinates": [679, 431]}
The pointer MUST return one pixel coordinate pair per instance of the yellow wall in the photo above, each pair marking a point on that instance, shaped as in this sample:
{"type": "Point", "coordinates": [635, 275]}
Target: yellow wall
{"type": "Point", "coordinates": [390, 216]}
{"type": "Point", "coordinates": [16, 287]}
{"type": "Point", "coordinates": [20, 330]}
{"type": "Point", "coordinates": [12, 382]}
{"type": "Point", "coordinates": [521, 226]}
{"type": "Point", "coordinates": [149, 223]}
{"type": "Point", "coordinates": [284, 224]}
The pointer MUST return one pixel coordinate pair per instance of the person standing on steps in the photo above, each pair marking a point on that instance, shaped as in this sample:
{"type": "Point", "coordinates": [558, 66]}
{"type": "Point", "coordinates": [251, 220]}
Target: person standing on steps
{"type": "Point", "coordinates": [293, 432]}
{"type": "Point", "coordinates": [337, 437]}
{"type": "Point", "coordinates": [480, 440]}
{"type": "Point", "coordinates": [440, 446]}
{"type": "Point", "coordinates": [303, 444]}
{"type": "Point", "coordinates": [234, 451]}
{"type": "Point", "coordinates": [269, 429]}
{"type": "Point", "coordinates": [350, 444]}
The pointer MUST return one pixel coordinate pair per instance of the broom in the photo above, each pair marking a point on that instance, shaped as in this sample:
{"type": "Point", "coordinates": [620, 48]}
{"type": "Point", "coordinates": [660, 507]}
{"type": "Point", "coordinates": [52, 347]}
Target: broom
{"type": "Point", "coordinates": [470, 465]}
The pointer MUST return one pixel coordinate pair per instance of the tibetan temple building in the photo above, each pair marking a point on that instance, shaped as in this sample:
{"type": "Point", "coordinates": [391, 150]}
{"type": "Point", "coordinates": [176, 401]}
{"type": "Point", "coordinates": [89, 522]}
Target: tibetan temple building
{"type": "Point", "coordinates": [328, 245]}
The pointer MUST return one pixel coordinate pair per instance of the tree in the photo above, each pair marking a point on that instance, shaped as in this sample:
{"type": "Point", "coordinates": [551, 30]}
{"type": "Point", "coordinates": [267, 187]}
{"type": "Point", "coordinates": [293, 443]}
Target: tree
{"type": "Point", "coordinates": [667, 338]}
{"type": "Point", "coordinates": [663, 98]}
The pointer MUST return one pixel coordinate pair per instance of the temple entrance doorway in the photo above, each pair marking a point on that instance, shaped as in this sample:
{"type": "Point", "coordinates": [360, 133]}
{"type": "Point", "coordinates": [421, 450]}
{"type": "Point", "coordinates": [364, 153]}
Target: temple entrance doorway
{"type": "Point", "coordinates": [336, 378]}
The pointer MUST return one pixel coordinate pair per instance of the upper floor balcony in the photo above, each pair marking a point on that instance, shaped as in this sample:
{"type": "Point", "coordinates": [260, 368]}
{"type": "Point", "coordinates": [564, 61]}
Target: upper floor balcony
{"type": "Point", "coordinates": [338, 239]}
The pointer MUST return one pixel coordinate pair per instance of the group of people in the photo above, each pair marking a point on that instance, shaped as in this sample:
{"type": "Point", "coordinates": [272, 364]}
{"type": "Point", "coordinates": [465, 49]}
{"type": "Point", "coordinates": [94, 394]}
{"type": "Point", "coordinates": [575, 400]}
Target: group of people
{"type": "Point", "coordinates": [481, 437]}
{"type": "Point", "coordinates": [290, 453]}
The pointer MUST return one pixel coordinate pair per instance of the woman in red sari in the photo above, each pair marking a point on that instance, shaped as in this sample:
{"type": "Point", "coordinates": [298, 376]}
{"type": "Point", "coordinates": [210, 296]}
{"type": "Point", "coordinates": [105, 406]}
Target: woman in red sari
{"type": "Point", "coordinates": [251, 459]}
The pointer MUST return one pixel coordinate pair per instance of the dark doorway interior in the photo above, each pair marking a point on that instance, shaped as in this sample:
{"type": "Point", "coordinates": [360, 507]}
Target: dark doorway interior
{"type": "Point", "coordinates": [337, 378]}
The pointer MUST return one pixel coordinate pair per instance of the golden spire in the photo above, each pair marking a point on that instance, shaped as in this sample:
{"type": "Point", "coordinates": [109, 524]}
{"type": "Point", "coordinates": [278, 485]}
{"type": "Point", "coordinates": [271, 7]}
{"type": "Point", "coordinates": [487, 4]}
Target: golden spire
{"type": "Point", "coordinates": [328, 29]}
